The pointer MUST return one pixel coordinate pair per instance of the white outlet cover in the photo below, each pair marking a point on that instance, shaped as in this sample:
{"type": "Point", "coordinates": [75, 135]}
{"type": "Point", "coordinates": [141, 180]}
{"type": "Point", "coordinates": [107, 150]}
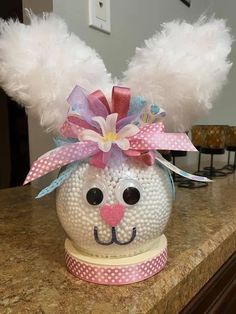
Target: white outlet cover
{"type": "Point", "coordinates": [100, 10]}
{"type": "Point", "coordinates": [99, 15]}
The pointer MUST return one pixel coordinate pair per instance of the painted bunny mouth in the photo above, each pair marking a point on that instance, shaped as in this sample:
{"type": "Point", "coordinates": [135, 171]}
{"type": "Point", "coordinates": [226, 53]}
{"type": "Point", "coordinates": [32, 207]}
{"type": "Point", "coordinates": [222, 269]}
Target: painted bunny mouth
{"type": "Point", "coordinates": [113, 237]}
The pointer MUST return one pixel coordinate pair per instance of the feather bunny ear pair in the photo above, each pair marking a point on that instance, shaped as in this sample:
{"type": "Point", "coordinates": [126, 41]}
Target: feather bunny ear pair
{"type": "Point", "coordinates": [182, 68]}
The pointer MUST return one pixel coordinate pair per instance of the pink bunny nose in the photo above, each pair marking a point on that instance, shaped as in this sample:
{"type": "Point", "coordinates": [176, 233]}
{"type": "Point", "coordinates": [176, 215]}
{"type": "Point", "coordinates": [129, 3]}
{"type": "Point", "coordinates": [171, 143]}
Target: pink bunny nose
{"type": "Point", "coordinates": [112, 214]}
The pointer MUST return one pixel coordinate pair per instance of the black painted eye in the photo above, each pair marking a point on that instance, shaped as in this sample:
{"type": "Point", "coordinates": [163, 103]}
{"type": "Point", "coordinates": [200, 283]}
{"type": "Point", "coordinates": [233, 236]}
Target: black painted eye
{"type": "Point", "coordinates": [94, 196]}
{"type": "Point", "coordinates": [128, 191]}
{"type": "Point", "coordinates": [131, 195]}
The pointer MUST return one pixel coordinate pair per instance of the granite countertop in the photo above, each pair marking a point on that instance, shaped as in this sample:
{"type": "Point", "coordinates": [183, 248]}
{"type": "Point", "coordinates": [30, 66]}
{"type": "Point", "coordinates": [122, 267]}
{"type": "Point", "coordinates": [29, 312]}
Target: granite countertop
{"type": "Point", "coordinates": [201, 236]}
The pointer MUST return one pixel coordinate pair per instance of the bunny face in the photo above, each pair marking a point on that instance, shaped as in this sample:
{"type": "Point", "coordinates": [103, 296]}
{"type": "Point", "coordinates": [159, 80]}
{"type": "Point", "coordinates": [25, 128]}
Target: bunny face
{"type": "Point", "coordinates": [117, 211]}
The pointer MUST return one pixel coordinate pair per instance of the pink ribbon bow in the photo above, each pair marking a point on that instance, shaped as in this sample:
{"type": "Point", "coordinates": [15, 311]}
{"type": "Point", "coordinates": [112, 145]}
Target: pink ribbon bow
{"type": "Point", "coordinates": [104, 132]}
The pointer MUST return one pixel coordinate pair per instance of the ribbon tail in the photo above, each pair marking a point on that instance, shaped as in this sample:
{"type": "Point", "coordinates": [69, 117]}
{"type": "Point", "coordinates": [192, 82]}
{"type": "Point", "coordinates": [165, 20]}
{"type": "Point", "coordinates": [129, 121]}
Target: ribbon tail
{"type": "Point", "coordinates": [59, 157]}
{"type": "Point", "coordinates": [182, 173]}
{"type": "Point", "coordinates": [152, 137]}
{"type": "Point", "coordinates": [64, 175]}
{"type": "Point", "coordinates": [172, 184]}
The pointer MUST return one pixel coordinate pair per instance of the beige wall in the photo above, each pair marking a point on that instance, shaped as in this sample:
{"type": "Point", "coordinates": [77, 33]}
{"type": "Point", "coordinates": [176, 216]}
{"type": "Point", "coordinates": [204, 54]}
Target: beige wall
{"type": "Point", "coordinates": [132, 22]}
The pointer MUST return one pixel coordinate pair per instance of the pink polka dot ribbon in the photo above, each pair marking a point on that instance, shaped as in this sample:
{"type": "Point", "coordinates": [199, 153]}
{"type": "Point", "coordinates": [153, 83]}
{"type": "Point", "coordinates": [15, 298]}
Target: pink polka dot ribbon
{"type": "Point", "coordinates": [152, 137]}
{"type": "Point", "coordinates": [115, 275]}
{"type": "Point", "coordinates": [59, 157]}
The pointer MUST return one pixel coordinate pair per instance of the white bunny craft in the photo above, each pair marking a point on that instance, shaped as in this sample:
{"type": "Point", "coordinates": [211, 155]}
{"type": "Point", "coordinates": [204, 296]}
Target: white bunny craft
{"type": "Point", "coordinates": [114, 190]}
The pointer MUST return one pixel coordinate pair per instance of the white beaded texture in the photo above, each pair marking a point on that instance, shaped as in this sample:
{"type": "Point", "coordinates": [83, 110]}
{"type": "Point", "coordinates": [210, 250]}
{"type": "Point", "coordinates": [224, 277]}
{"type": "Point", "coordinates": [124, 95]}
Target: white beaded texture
{"type": "Point", "coordinates": [149, 216]}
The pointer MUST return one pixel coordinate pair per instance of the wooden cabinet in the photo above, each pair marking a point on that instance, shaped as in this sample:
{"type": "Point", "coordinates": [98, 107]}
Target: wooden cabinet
{"type": "Point", "coordinates": [219, 293]}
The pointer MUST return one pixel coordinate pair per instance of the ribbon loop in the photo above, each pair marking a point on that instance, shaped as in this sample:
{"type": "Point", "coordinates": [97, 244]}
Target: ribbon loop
{"type": "Point", "coordinates": [99, 95]}
{"type": "Point", "coordinates": [120, 101]}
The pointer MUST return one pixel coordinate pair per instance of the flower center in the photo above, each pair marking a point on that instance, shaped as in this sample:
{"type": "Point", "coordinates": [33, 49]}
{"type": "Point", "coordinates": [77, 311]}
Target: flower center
{"type": "Point", "coordinates": [110, 137]}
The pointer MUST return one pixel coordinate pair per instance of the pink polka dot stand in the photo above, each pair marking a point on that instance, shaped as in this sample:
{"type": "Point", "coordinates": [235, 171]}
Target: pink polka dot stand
{"type": "Point", "coordinates": [115, 275]}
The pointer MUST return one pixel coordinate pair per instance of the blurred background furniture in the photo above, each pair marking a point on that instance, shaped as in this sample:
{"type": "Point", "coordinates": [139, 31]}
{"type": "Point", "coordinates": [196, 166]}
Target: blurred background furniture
{"type": "Point", "coordinates": [210, 140]}
{"type": "Point", "coordinates": [230, 145]}
{"type": "Point", "coordinates": [197, 135]}
{"type": "Point", "coordinates": [196, 139]}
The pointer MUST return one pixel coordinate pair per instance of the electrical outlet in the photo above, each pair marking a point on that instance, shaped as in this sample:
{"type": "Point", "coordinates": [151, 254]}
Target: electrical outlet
{"type": "Point", "coordinates": [99, 15]}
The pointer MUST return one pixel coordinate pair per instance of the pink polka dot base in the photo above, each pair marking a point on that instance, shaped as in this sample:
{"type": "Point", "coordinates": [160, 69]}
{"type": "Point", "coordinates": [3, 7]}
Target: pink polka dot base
{"type": "Point", "coordinates": [118, 274]}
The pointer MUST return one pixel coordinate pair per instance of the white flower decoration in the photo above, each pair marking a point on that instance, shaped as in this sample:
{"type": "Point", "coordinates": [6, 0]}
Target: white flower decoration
{"type": "Point", "coordinates": [109, 135]}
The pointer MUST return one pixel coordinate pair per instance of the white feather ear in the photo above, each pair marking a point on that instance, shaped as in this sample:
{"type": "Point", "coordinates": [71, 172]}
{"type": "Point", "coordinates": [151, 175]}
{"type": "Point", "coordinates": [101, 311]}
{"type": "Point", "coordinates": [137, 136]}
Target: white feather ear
{"type": "Point", "coordinates": [182, 68]}
{"type": "Point", "coordinates": [40, 64]}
